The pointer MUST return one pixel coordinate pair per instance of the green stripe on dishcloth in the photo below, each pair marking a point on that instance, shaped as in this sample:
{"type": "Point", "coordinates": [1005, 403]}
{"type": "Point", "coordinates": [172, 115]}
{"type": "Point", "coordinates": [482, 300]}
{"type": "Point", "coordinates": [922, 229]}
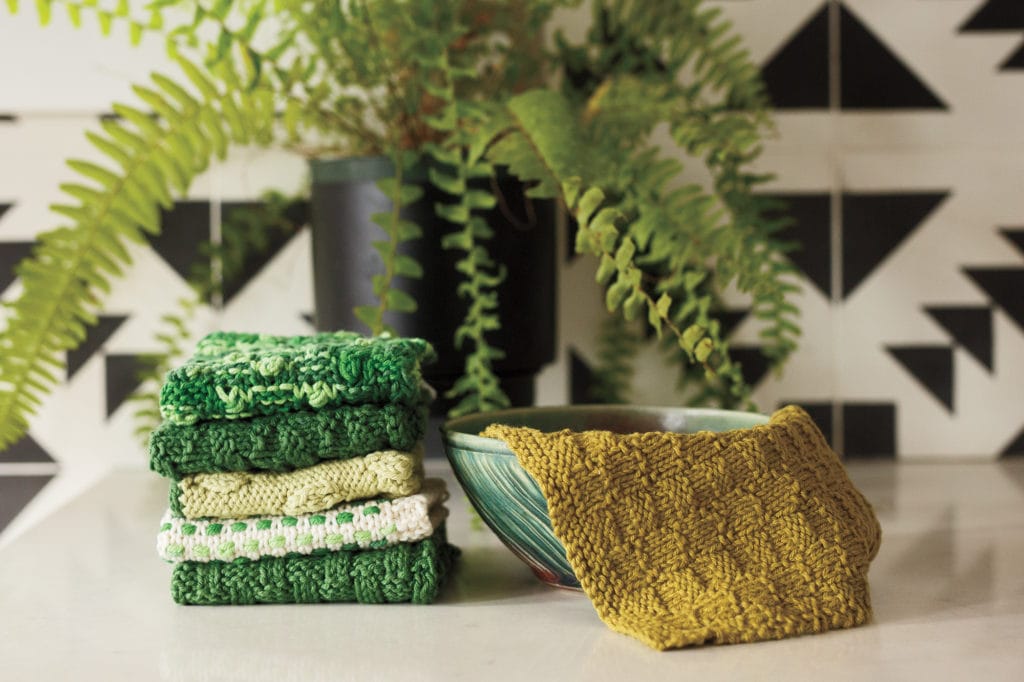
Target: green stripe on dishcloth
{"type": "Point", "coordinates": [401, 573]}
{"type": "Point", "coordinates": [283, 442]}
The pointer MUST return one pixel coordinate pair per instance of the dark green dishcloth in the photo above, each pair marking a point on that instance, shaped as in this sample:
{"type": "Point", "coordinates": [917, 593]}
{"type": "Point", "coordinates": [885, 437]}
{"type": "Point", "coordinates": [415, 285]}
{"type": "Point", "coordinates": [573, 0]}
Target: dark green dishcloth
{"type": "Point", "coordinates": [235, 376]}
{"type": "Point", "coordinates": [283, 442]}
{"type": "Point", "coordinates": [411, 572]}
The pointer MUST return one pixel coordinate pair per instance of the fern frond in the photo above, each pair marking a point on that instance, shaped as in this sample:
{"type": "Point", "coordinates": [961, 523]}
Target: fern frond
{"type": "Point", "coordinates": [617, 344]}
{"type": "Point", "coordinates": [64, 279]}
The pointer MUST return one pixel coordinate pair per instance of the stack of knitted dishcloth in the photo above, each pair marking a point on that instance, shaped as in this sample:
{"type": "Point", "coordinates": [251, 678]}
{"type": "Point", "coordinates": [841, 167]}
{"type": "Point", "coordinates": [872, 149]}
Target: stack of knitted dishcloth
{"type": "Point", "coordinates": [296, 469]}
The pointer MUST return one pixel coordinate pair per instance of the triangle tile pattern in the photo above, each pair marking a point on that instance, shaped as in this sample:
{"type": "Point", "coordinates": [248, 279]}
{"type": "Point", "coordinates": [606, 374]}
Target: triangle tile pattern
{"type": "Point", "coordinates": [95, 338]}
{"type": "Point", "coordinates": [869, 430]}
{"type": "Point", "coordinates": [1015, 446]}
{"type": "Point", "coordinates": [753, 364]}
{"type": "Point", "coordinates": [11, 253]}
{"type": "Point", "coordinates": [730, 319]}
{"type": "Point", "coordinates": [1016, 236]}
{"type": "Point", "coordinates": [875, 224]}
{"type": "Point", "coordinates": [182, 229]}
{"type": "Point", "coordinates": [1014, 61]}
{"type": "Point", "coordinates": [797, 75]}
{"type": "Point", "coordinates": [1005, 287]}
{"type": "Point", "coordinates": [970, 326]}
{"type": "Point", "coordinates": [15, 494]}
{"type": "Point", "coordinates": [122, 377]}
{"type": "Point", "coordinates": [811, 225]}
{"type": "Point", "coordinates": [999, 15]}
{"type": "Point", "coordinates": [996, 15]}
{"type": "Point", "coordinates": [26, 450]}
{"type": "Point", "coordinates": [932, 366]}
{"type": "Point", "coordinates": [256, 258]}
{"type": "Point", "coordinates": [872, 76]}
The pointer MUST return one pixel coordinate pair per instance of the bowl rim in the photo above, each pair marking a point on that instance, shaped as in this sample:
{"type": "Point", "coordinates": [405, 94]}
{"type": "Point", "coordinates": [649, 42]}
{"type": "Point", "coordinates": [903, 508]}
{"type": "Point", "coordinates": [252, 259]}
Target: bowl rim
{"type": "Point", "coordinates": [450, 435]}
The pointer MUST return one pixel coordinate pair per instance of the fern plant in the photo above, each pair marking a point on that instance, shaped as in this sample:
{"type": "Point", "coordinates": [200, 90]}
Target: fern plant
{"type": "Point", "coordinates": [460, 82]}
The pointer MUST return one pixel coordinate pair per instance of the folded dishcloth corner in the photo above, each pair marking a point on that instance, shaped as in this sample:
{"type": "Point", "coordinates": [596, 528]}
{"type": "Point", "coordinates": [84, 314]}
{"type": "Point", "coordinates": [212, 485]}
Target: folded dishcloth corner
{"type": "Point", "coordinates": [684, 539]}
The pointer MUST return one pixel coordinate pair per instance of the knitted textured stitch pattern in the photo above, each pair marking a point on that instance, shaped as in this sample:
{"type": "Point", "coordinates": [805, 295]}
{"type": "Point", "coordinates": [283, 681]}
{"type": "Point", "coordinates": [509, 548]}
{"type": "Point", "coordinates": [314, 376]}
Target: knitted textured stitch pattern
{"type": "Point", "coordinates": [685, 539]}
{"type": "Point", "coordinates": [235, 376]}
{"type": "Point", "coordinates": [400, 573]}
{"type": "Point", "coordinates": [283, 442]}
{"type": "Point", "coordinates": [321, 486]}
{"type": "Point", "coordinates": [367, 525]}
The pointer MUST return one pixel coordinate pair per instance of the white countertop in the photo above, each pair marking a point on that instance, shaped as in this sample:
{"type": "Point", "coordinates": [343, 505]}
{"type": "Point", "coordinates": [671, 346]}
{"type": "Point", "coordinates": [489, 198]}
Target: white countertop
{"type": "Point", "coordinates": [83, 596]}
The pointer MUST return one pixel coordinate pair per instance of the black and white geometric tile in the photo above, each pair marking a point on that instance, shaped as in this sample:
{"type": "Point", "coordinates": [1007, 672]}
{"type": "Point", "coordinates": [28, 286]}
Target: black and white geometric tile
{"type": "Point", "coordinates": [899, 153]}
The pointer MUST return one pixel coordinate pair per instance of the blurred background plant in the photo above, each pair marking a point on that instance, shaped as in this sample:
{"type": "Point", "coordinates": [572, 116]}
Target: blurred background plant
{"type": "Point", "coordinates": [613, 126]}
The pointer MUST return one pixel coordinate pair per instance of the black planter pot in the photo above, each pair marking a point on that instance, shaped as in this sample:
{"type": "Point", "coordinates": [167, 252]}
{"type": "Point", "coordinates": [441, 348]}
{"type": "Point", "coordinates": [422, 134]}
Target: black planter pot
{"type": "Point", "coordinates": [345, 196]}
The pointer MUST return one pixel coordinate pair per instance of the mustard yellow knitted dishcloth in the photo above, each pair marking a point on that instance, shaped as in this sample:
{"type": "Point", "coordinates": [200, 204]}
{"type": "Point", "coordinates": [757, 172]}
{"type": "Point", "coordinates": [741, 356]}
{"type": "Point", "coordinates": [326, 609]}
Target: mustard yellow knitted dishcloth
{"type": "Point", "coordinates": [303, 491]}
{"type": "Point", "coordinates": [683, 539]}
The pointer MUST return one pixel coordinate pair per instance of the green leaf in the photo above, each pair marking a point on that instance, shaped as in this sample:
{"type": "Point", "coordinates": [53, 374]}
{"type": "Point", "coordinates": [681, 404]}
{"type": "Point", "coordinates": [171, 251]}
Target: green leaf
{"type": "Point", "coordinates": [606, 269]}
{"type": "Point", "coordinates": [703, 350]}
{"type": "Point", "coordinates": [43, 10]}
{"type": "Point", "coordinates": [110, 149]}
{"type": "Point", "coordinates": [693, 278]}
{"type": "Point", "coordinates": [221, 9]}
{"type": "Point", "coordinates": [616, 294]}
{"type": "Point", "coordinates": [198, 78]}
{"type": "Point", "coordinates": [223, 47]}
{"type": "Point", "coordinates": [691, 336]}
{"type": "Point", "coordinates": [407, 266]}
{"type": "Point", "coordinates": [453, 213]}
{"type": "Point", "coordinates": [634, 305]}
{"type": "Point", "coordinates": [661, 308]}
{"type": "Point", "coordinates": [252, 23]}
{"type": "Point", "coordinates": [400, 301]}
{"type": "Point", "coordinates": [480, 200]}
{"type": "Point", "coordinates": [654, 319]}
{"type": "Point", "coordinates": [589, 202]}
{"type": "Point", "coordinates": [95, 172]}
{"type": "Point", "coordinates": [106, 20]}
{"type": "Point", "coordinates": [408, 230]}
{"type": "Point", "coordinates": [625, 253]}
{"type": "Point", "coordinates": [446, 182]}
{"type": "Point", "coordinates": [571, 190]}
{"type": "Point", "coordinates": [457, 240]}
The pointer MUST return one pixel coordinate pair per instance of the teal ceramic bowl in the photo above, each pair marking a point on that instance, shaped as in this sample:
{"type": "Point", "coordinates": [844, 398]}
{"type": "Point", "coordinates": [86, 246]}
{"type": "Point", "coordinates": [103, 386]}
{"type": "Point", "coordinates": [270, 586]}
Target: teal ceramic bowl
{"type": "Point", "coordinates": [509, 500]}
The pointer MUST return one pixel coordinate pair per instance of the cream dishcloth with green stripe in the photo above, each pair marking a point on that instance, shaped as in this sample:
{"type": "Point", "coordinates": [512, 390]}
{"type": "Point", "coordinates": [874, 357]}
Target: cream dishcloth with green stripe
{"type": "Point", "coordinates": [372, 524]}
{"type": "Point", "coordinates": [387, 473]}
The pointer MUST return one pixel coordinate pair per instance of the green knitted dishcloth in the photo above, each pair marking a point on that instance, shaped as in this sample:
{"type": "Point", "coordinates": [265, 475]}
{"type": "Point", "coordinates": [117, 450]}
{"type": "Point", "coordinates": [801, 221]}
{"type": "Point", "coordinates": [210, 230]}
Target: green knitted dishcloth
{"type": "Point", "coordinates": [234, 376]}
{"type": "Point", "coordinates": [283, 442]}
{"type": "Point", "coordinates": [236, 494]}
{"type": "Point", "coordinates": [400, 573]}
